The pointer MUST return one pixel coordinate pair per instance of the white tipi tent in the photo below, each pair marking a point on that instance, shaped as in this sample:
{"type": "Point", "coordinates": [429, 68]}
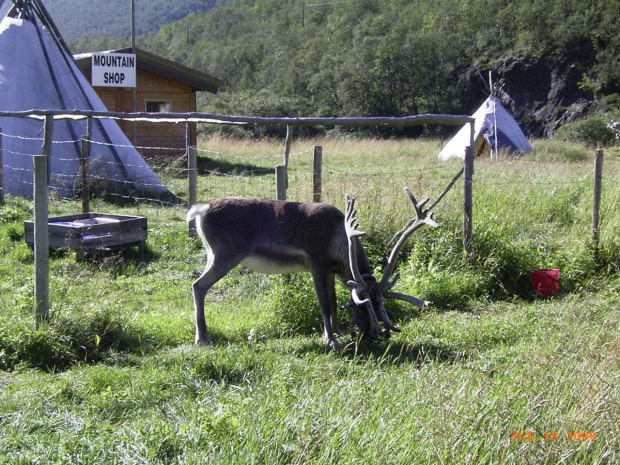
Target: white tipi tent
{"type": "Point", "coordinates": [494, 129]}
{"type": "Point", "coordinates": [37, 72]}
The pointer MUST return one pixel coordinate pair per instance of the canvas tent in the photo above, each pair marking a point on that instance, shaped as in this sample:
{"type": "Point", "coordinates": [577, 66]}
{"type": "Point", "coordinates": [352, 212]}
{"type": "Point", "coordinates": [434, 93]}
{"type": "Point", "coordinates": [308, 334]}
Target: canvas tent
{"type": "Point", "coordinates": [494, 129]}
{"type": "Point", "coordinates": [37, 72]}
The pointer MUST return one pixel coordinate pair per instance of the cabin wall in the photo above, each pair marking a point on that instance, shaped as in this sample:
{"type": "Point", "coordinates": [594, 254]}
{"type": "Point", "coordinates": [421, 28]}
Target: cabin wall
{"type": "Point", "coordinates": [153, 138]}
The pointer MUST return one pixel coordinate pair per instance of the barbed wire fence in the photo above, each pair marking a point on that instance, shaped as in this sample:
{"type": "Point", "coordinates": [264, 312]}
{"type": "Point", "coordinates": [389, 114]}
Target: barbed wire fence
{"type": "Point", "coordinates": [251, 180]}
{"type": "Point", "coordinates": [221, 173]}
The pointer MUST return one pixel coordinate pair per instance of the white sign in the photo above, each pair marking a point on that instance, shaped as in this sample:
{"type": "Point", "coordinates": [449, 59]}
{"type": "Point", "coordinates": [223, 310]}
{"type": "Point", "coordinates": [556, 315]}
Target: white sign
{"type": "Point", "coordinates": [114, 70]}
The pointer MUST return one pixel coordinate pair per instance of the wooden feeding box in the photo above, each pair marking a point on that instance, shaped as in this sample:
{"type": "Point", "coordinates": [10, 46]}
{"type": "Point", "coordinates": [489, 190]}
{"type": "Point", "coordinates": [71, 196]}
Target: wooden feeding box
{"type": "Point", "coordinates": [88, 232]}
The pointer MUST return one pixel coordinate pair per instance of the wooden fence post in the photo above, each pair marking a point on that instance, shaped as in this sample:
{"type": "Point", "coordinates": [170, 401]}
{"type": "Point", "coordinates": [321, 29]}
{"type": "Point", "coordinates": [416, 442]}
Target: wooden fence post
{"type": "Point", "coordinates": [84, 155]}
{"type": "Point", "coordinates": [48, 130]}
{"type": "Point", "coordinates": [287, 150]}
{"type": "Point", "coordinates": [317, 173]}
{"type": "Point", "coordinates": [468, 192]}
{"type": "Point", "coordinates": [281, 182]}
{"type": "Point", "coordinates": [596, 204]}
{"type": "Point", "coordinates": [41, 226]}
{"type": "Point", "coordinates": [1, 172]}
{"type": "Point", "coordinates": [85, 149]}
{"type": "Point", "coordinates": [192, 177]}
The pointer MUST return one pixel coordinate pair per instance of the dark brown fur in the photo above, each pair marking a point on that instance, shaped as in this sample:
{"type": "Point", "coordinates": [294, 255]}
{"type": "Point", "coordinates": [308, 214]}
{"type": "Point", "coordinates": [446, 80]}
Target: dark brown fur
{"type": "Point", "coordinates": [276, 236]}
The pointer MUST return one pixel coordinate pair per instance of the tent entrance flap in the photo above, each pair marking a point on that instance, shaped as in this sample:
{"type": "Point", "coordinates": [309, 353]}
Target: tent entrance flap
{"type": "Point", "coordinates": [498, 139]}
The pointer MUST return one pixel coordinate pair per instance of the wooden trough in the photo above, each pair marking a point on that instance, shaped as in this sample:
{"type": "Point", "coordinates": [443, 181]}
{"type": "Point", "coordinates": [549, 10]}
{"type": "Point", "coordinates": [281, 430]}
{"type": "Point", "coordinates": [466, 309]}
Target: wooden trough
{"type": "Point", "coordinates": [88, 232]}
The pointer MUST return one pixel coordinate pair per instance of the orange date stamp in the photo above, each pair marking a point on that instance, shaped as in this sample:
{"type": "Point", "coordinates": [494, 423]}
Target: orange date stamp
{"type": "Point", "coordinates": [553, 436]}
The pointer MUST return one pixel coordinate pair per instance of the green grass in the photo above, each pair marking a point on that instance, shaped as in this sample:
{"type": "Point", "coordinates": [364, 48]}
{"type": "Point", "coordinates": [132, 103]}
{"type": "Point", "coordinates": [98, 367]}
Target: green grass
{"type": "Point", "coordinates": [113, 377]}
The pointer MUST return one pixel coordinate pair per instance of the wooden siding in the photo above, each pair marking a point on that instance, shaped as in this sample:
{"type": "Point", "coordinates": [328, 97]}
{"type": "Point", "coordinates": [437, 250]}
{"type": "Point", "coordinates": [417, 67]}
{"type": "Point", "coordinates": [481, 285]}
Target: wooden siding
{"type": "Point", "coordinates": [153, 139]}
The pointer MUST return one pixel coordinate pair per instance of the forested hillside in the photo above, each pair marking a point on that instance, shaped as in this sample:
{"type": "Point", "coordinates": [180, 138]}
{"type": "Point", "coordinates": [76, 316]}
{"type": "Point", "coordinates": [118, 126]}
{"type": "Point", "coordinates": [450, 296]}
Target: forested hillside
{"type": "Point", "coordinates": [400, 57]}
{"type": "Point", "coordinates": [79, 18]}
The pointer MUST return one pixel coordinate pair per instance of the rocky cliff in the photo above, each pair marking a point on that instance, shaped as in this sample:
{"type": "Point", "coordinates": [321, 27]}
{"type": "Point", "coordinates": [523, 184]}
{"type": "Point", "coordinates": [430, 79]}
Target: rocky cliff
{"type": "Point", "coordinates": [541, 92]}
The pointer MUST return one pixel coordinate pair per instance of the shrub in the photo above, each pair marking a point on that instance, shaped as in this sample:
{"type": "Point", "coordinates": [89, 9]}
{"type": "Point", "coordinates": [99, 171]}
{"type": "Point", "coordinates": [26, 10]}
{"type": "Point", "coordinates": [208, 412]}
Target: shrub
{"type": "Point", "coordinates": [560, 151]}
{"type": "Point", "coordinates": [590, 131]}
{"type": "Point", "coordinates": [67, 340]}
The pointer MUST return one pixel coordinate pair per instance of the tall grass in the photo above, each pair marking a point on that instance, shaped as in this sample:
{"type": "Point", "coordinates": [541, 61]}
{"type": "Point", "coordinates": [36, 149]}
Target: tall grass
{"type": "Point", "coordinates": [113, 377]}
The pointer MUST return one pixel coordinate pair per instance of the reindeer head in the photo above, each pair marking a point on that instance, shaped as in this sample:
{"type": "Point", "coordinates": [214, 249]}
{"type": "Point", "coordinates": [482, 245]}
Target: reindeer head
{"type": "Point", "coordinates": [367, 306]}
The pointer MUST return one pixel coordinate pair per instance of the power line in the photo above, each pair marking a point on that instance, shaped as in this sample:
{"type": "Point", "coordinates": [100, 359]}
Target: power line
{"type": "Point", "coordinates": [329, 3]}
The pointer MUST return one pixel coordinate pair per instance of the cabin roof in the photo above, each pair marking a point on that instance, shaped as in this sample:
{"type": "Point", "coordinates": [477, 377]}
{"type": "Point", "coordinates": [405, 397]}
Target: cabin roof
{"type": "Point", "coordinates": [198, 80]}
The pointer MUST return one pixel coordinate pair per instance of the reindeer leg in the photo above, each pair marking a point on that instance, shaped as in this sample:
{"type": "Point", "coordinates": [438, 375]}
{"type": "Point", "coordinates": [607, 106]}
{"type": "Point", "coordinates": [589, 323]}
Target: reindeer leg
{"type": "Point", "coordinates": [333, 303]}
{"type": "Point", "coordinates": [321, 285]}
{"type": "Point", "coordinates": [216, 269]}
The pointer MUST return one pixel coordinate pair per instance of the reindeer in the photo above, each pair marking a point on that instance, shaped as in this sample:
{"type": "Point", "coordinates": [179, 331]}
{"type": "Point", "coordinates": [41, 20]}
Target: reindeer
{"type": "Point", "coordinates": [275, 236]}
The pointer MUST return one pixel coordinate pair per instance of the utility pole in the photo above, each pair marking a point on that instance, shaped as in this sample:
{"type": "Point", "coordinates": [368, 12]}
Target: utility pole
{"type": "Point", "coordinates": [303, 12]}
{"type": "Point", "coordinates": [134, 131]}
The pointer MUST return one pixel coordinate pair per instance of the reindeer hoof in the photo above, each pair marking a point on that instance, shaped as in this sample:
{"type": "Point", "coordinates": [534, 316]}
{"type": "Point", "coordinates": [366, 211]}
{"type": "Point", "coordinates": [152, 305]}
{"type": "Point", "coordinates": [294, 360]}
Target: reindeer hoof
{"type": "Point", "coordinates": [331, 344]}
{"type": "Point", "coordinates": [204, 342]}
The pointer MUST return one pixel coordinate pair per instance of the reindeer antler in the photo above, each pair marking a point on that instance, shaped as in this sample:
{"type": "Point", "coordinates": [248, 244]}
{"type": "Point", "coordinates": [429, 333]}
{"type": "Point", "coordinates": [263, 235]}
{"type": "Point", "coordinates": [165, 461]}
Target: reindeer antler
{"type": "Point", "coordinates": [359, 287]}
{"type": "Point", "coordinates": [351, 224]}
{"type": "Point", "coordinates": [422, 217]}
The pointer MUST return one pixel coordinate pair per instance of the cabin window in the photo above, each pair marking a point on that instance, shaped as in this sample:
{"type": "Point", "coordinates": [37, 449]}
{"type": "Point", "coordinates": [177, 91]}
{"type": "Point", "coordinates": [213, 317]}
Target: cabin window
{"type": "Point", "coordinates": [157, 107]}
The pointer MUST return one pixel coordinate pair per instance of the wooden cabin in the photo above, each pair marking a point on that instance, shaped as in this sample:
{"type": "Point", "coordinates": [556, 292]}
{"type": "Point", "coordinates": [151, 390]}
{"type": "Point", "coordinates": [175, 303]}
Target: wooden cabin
{"type": "Point", "coordinates": [161, 86]}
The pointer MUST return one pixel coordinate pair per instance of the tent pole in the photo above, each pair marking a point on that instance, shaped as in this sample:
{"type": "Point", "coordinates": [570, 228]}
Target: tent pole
{"type": "Point", "coordinates": [493, 150]}
{"type": "Point", "coordinates": [49, 23]}
{"type": "Point", "coordinates": [61, 99]}
{"type": "Point", "coordinates": [64, 52]}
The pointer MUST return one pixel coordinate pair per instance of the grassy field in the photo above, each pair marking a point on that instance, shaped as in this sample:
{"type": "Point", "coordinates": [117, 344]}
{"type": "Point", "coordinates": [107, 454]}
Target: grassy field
{"type": "Point", "coordinates": [491, 373]}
